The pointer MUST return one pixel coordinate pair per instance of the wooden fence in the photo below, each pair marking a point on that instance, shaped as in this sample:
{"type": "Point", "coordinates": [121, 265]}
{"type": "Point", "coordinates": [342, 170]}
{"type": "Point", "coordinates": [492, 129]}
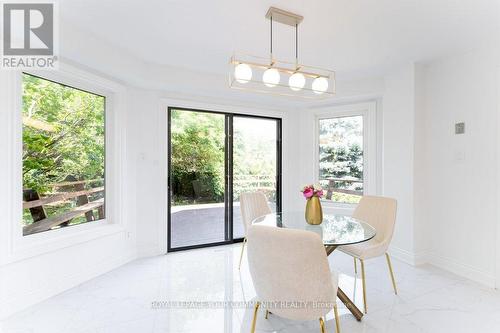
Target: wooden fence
{"type": "Point", "coordinates": [66, 190]}
{"type": "Point", "coordinates": [332, 187]}
{"type": "Point", "coordinates": [76, 189]}
{"type": "Point", "coordinates": [263, 182]}
{"type": "Point", "coordinates": [258, 182]}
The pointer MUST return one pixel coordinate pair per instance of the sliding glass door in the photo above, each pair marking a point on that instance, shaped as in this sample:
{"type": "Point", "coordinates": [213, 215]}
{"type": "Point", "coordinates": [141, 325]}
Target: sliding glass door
{"type": "Point", "coordinates": [197, 178]}
{"type": "Point", "coordinates": [213, 157]}
{"type": "Point", "coordinates": [255, 163]}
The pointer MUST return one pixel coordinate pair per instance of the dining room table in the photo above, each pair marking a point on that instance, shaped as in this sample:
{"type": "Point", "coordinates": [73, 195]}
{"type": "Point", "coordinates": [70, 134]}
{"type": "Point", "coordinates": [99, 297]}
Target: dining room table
{"type": "Point", "coordinates": [335, 230]}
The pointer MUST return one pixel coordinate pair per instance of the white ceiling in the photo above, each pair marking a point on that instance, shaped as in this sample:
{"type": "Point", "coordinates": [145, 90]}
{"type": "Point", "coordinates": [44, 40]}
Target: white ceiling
{"type": "Point", "coordinates": [345, 35]}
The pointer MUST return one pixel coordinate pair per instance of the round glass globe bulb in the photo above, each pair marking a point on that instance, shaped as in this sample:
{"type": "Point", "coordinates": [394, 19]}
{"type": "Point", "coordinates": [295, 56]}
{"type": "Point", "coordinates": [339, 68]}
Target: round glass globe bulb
{"type": "Point", "coordinates": [296, 81]}
{"type": "Point", "coordinates": [320, 85]}
{"type": "Point", "coordinates": [271, 77]}
{"type": "Point", "coordinates": [243, 73]}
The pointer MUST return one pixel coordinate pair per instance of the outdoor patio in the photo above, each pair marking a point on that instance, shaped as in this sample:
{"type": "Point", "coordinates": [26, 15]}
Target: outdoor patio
{"type": "Point", "coordinates": [203, 224]}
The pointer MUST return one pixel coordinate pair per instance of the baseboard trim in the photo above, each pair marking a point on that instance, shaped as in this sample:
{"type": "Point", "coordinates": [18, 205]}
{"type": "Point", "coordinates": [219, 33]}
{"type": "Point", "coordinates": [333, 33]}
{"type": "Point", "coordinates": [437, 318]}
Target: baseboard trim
{"type": "Point", "coordinates": [448, 264]}
{"type": "Point", "coordinates": [463, 270]}
{"type": "Point", "coordinates": [150, 251]}
{"type": "Point", "coordinates": [408, 257]}
{"type": "Point", "coordinates": [12, 305]}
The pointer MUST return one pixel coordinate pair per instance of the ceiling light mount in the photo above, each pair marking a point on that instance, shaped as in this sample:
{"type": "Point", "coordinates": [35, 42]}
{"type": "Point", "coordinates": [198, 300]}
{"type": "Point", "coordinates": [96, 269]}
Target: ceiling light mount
{"type": "Point", "coordinates": [283, 16]}
{"type": "Point", "coordinates": [258, 74]}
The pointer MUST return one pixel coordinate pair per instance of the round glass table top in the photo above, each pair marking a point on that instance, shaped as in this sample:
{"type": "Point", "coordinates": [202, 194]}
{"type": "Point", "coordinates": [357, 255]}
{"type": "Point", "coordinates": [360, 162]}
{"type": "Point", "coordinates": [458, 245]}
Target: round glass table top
{"type": "Point", "coordinates": [335, 230]}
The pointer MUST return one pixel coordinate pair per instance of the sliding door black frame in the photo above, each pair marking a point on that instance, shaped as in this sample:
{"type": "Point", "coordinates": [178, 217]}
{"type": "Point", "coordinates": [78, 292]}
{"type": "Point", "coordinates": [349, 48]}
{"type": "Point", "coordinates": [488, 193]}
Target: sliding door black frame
{"type": "Point", "coordinates": [228, 169]}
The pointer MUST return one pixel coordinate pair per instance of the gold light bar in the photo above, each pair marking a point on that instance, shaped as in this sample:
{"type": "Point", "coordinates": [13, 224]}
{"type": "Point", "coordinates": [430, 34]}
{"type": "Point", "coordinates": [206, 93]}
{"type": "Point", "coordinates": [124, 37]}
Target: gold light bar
{"type": "Point", "coordinates": [257, 66]}
{"type": "Point", "coordinates": [281, 69]}
{"type": "Point", "coordinates": [280, 77]}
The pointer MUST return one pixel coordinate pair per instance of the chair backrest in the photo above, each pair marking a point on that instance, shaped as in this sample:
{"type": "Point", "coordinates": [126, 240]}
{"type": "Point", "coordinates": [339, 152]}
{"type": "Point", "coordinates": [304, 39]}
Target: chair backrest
{"type": "Point", "coordinates": [289, 265]}
{"type": "Point", "coordinates": [253, 205]}
{"type": "Point", "coordinates": [380, 213]}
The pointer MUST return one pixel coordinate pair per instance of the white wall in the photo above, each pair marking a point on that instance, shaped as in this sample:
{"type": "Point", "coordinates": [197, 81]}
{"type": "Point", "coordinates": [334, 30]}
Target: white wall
{"type": "Point", "coordinates": [422, 239]}
{"type": "Point", "coordinates": [35, 279]}
{"type": "Point", "coordinates": [460, 171]}
{"type": "Point", "coordinates": [445, 184]}
{"type": "Point", "coordinates": [144, 124]}
{"type": "Point", "coordinates": [398, 155]}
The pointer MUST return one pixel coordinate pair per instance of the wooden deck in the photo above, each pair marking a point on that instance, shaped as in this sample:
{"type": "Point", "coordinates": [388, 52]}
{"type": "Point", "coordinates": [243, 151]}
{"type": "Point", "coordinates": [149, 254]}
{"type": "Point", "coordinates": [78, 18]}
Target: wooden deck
{"type": "Point", "coordinates": [81, 195]}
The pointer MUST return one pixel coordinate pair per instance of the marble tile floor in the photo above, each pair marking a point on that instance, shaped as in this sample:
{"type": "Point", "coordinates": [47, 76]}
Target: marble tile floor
{"type": "Point", "coordinates": [429, 300]}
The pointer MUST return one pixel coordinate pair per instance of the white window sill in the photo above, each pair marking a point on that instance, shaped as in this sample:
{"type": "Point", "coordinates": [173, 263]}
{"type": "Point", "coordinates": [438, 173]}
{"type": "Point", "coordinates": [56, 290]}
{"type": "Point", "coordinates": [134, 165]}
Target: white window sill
{"type": "Point", "coordinates": [338, 208]}
{"type": "Point", "coordinates": [25, 247]}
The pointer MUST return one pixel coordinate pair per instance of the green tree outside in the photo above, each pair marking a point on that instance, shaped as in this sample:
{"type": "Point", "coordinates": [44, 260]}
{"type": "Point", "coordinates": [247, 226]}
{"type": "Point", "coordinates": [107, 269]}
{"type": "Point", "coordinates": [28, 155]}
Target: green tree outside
{"type": "Point", "coordinates": [63, 136]}
{"type": "Point", "coordinates": [341, 155]}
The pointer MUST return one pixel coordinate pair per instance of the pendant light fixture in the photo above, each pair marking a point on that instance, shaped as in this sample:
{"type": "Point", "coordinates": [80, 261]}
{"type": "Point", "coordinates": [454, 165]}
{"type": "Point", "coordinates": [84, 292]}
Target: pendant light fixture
{"type": "Point", "coordinates": [270, 75]}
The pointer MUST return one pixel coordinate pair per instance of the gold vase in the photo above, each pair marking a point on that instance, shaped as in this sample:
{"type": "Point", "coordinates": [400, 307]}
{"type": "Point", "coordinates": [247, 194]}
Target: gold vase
{"type": "Point", "coordinates": [314, 213]}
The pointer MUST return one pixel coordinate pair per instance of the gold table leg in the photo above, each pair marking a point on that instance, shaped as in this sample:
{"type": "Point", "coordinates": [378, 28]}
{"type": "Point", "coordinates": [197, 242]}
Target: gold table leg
{"type": "Point", "coordinates": [342, 296]}
{"type": "Point", "coordinates": [329, 249]}
{"type": "Point", "coordinates": [349, 305]}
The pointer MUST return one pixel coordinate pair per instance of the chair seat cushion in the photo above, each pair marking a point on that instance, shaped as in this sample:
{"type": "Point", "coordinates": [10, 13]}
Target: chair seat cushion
{"type": "Point", "coordinates": [365, 250]}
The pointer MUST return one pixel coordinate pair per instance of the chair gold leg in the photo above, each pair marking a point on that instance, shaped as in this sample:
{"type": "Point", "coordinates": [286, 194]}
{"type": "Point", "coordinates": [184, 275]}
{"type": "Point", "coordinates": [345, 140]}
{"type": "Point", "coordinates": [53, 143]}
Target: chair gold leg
{"type": "Point", "coordinates": [392, 273]}
{"type": "Point", "coordinates": [242, 250]}
{"type": "Point", "coordinates": [363, 280]}
{"type": "Point", "coordinates": [355, 266]}
{"type": "Point", "coordinates": [322, 325]}
{"type": "Point", "coordinates": [267, 314]}
{"type": "Point", "coordinates": [254, 321]}
{"type": "Point", "coordinates": [337, 319]}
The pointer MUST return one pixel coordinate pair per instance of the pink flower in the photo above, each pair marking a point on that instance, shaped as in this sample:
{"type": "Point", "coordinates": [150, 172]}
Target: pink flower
{"type": "Point", "coordinates": [319, 193]}
{"type": "Point", "coordinates": [308, 192]}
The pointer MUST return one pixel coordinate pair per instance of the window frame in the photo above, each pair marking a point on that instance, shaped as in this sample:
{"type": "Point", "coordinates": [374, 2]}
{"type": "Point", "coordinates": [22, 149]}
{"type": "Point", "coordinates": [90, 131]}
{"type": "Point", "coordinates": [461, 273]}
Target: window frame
{"type": "Point", "coordinates": [105, 134]}
{"type": "Point", "coordinates": [368, 112]}
{"type": "Point", "coordinates": [228, 191]}
{"type": "Point", "coordinates": [21, 247]}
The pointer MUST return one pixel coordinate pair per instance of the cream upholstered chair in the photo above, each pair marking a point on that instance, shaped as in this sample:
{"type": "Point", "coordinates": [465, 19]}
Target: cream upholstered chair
{"type": "Point", "coordinates": [291, 266]}
{"type": "Point", "coordinates": [252, 205]}
{"type": "Point", "coordinates": [380, 213]}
